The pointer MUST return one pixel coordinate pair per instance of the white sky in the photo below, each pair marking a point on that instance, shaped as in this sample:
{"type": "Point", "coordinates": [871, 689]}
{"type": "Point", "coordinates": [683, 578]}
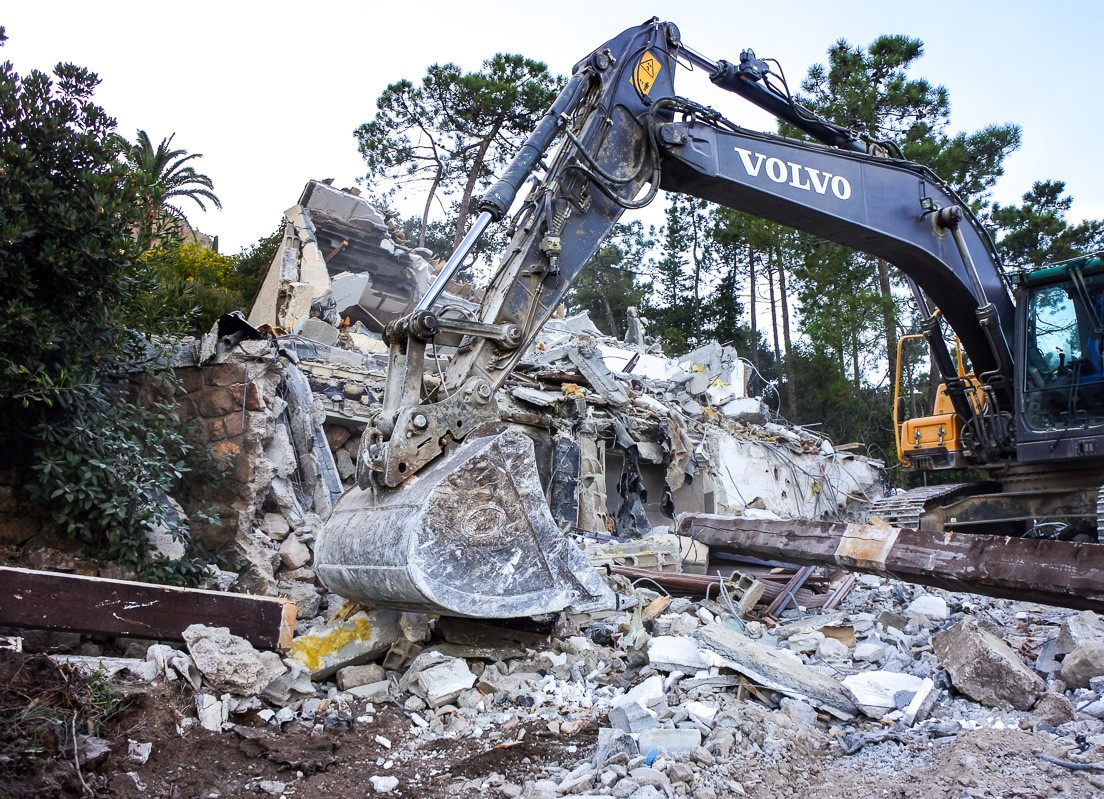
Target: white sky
{"type": "Point", "coordinates": [270, 93]}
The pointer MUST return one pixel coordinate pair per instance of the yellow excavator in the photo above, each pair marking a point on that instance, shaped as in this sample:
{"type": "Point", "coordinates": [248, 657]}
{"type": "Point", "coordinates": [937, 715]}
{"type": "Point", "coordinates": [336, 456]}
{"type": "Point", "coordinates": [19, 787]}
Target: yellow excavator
{"type": "Point", "coordinates": [449, 515]}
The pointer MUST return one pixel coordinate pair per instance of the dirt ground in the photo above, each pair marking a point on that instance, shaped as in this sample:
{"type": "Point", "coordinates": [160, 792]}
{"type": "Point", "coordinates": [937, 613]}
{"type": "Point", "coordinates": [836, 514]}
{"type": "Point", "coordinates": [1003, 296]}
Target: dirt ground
{"type": "Point", "coordinates": [43, 707]}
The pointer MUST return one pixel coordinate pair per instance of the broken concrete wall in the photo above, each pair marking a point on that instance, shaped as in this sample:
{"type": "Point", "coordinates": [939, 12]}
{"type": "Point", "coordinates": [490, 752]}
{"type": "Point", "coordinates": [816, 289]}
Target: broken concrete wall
{"type": "Point", "coordinates": [341, 259]}
{"type": "Point", "coordinates": [251, 406]}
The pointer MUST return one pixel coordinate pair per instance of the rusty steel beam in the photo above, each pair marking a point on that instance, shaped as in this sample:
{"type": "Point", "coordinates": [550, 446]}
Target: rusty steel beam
{"type": "Point", "coordinates": [1062, 573]}
{"type": "Point", "coordinates": [54, 601]}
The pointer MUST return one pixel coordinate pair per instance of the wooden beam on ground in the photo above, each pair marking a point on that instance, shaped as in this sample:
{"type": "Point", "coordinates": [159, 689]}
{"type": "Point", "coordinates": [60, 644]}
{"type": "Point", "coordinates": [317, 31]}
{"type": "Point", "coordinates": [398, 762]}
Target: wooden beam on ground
{"type": "Point", "coordinates": [54, 601]}
{"type": "Point", "coordinates": [1062, 573]}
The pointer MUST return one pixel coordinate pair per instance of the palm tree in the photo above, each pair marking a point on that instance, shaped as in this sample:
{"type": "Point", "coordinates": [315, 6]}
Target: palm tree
{"type": "Point", "coordinates": [163, 174]}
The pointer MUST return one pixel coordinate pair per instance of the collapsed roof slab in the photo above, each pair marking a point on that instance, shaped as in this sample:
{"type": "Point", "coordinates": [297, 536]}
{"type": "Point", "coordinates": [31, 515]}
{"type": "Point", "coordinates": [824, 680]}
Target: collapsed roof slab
{"type": "Point", "coordinates": [341, 258]}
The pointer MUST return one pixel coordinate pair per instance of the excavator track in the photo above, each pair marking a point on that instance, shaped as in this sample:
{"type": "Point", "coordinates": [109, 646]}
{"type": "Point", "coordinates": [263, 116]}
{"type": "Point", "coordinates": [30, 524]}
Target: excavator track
{"type": "Point", "coordinates": [904, 510]}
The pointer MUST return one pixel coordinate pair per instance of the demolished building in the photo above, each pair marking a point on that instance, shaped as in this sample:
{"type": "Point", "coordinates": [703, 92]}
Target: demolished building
{"type": "Point", "coordinates": [626, 437]}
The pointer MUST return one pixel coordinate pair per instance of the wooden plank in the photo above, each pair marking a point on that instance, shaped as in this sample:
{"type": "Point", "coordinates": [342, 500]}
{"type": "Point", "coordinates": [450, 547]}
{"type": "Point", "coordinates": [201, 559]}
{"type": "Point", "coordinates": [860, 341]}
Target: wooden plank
{"type": "Point", "coordinates": [1062, 573]}
{"type": "Point", "coordinates": [54, 601]}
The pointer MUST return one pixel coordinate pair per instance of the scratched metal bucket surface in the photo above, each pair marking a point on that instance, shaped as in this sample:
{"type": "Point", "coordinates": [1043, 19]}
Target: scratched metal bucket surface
{"type": "Point", "coordinates": [469, 536]}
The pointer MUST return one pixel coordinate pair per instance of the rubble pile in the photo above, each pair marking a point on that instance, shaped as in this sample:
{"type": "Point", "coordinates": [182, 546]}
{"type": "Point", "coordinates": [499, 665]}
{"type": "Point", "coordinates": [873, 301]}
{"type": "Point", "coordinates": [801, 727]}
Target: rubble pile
{"type": "Point", "coordinates": [673, 697]}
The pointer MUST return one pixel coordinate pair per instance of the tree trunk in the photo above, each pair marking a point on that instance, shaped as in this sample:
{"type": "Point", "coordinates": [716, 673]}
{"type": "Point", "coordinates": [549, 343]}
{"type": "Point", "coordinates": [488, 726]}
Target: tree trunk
{"type": "Point", "coordinates": [429, 204]}
{"type": "Point", "coordinates": [774, 306]}
{"type": "Point", "coordinates": [696, 258]}
{"type": "Point", "coordinates": [754, 322]}
{"type": "Point", "coordinates": [791, 394]}
{"type": "Point", "coordinates": [889, 321]}
{"type": "Point", "coordinates": [855, 362]}
{"type": "Point", "coordinates": [469, 187]}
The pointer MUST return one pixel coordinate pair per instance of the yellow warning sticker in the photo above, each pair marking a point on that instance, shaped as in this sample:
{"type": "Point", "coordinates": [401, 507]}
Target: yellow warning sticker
{"type": "Point", "coordinates": [644, 76]}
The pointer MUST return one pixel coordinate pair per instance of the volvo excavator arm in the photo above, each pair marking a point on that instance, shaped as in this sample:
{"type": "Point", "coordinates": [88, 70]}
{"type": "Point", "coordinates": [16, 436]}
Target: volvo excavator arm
{"type": "Point", "coordinates": [624, 133]}
{"type": "Point", "coordinates": [438, 490]}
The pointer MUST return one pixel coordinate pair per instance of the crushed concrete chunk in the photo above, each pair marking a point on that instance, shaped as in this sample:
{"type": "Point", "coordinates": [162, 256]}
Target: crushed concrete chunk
{"type": "Point", "coordinates": [875, 692]}
{"type": "Point", "coordinates": [229, 663]}
{"type": "Point", "coordinates": [984, 668]}
{"type": "Point", "coordinates": [383, 784]}
{"type": "Point", "coordinates": [670, 741]}
{"type": "Point", "coordinates": [632, 717]}
{"type": "Point", "coordinates": [645, 694]}
{"type": "Point", "coordinates": [211, 711]}
{"type": "Point", "coordinates": [931, 607]}
{"type": "Point", "coordinates": [1083, 663]}
{"type": "Point", "coordinates": [365, 636]}
{"type": "Point", "coordinates": [676, 653]}
{"type": "Point", "coordinates": [444, 682]}
{"type": "Point", "coordinates": [1079, 628]}
{"type": "Point", "coordinates": [352, 676]}
{"type": "Point", "coordinates": [922, 703]}
{"type": "Point", "coordinates": [776, 671]}
{"type": "Point", "coordinates": [701, 713]}
{"type": "Point", "coordinates": [294, 553]}
{"type": "Point", "coordinates": [379, 691]}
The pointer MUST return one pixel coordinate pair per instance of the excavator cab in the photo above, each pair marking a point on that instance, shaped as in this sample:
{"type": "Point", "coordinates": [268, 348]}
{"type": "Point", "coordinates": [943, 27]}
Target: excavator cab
{"type": "Point", "coordinates": [1063, 381]}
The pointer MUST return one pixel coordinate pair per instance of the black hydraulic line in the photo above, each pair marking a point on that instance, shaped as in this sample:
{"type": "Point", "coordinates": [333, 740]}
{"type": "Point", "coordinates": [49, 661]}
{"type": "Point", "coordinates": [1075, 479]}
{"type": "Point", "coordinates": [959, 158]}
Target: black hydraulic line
{"type": "Point", "coordinates": [500, 197]}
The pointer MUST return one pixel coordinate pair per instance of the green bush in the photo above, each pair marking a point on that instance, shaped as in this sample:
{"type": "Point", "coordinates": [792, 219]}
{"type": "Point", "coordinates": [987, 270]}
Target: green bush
{"type": "Point", "coordinates": [72, 285]}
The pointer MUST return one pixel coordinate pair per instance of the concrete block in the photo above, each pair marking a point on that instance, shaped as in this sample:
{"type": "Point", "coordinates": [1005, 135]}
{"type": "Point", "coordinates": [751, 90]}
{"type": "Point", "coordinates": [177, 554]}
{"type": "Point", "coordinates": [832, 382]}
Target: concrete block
{"type": "Point", "coordinates": [701, 713]}
{"type": "Point", "coordinates": [352, 676]}
{"type": "Point", "coordinates": [444, 682]}
{"type": "Point", "coordinates": [1052, 709]}
{"type": "Point", "coordinates": [228, 662]}
{"type": "Point", "coordinates": [875, 692]}
{"type": "Point", "coordinates": [647, 693]}
{"type": "Point", "coordinates": [776, 670]}
{"type": "Point", "coordinates": [833, 651]}
{"type": "Point", "coordinates": [360, 639]}
{"type": "Point", "coordinates": [984, 668]}
{"type": "Point", "coordinates": [673, 742]}
{"type": "Point", "coordinates": [211, 711]}
{"type": "Point", "coordinates": [631, 717]}
{"type": "Point", "coordinates": [676, 653]}
{"type": "Point", "coordinates": [934, 608]}
{"type": "Point", "coordinates": [869, 651]}
{"type": "Point", "coordinates": [275, 526]}
{"type": "Point", "coordinates": [613, 742]}
{"type": "Point", "coordinates": [1082, 664]}
{"type": "Point", "coordinates": [1079, 628]}
{"type": "Point", "coordinates": [922, 703]}
{"type": "Point", "coordinates": [294, 553]}
{"type": "Point", "coordinates": [379, 691]}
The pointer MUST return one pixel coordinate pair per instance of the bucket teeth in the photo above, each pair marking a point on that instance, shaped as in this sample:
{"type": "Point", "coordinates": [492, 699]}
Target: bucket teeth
{"type": "Point", "coordinates": [469, 536]}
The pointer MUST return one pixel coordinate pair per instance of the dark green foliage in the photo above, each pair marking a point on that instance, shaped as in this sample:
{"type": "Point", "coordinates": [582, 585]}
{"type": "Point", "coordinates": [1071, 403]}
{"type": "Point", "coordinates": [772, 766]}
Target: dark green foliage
{"type": "Point", "coordinates": [449, 134]}
{"type": "Point", "coordinates": [105, 473]}
{"type": "Point", "coordinates": [682, 276]}
{"type": "Point", "coordinates": [69, 276]}
{"type": "Point", "coordinates": [1037, 233]}
{"type": "Point", "coordinates": [67, 256]}
{"type": "Point", "coordinates": [843, 412]}
{"type": "Point", "coordinates": [252, 263]}
{"type": "Point", "coordinates": [161, 174]}
{"type": "Point", "coordinates": [612, 282]}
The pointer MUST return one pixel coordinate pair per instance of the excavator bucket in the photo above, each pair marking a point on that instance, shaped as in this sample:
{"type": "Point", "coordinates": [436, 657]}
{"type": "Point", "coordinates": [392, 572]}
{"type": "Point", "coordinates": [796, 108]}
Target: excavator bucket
{"type": "Point", "coordinates": [470, 535]}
